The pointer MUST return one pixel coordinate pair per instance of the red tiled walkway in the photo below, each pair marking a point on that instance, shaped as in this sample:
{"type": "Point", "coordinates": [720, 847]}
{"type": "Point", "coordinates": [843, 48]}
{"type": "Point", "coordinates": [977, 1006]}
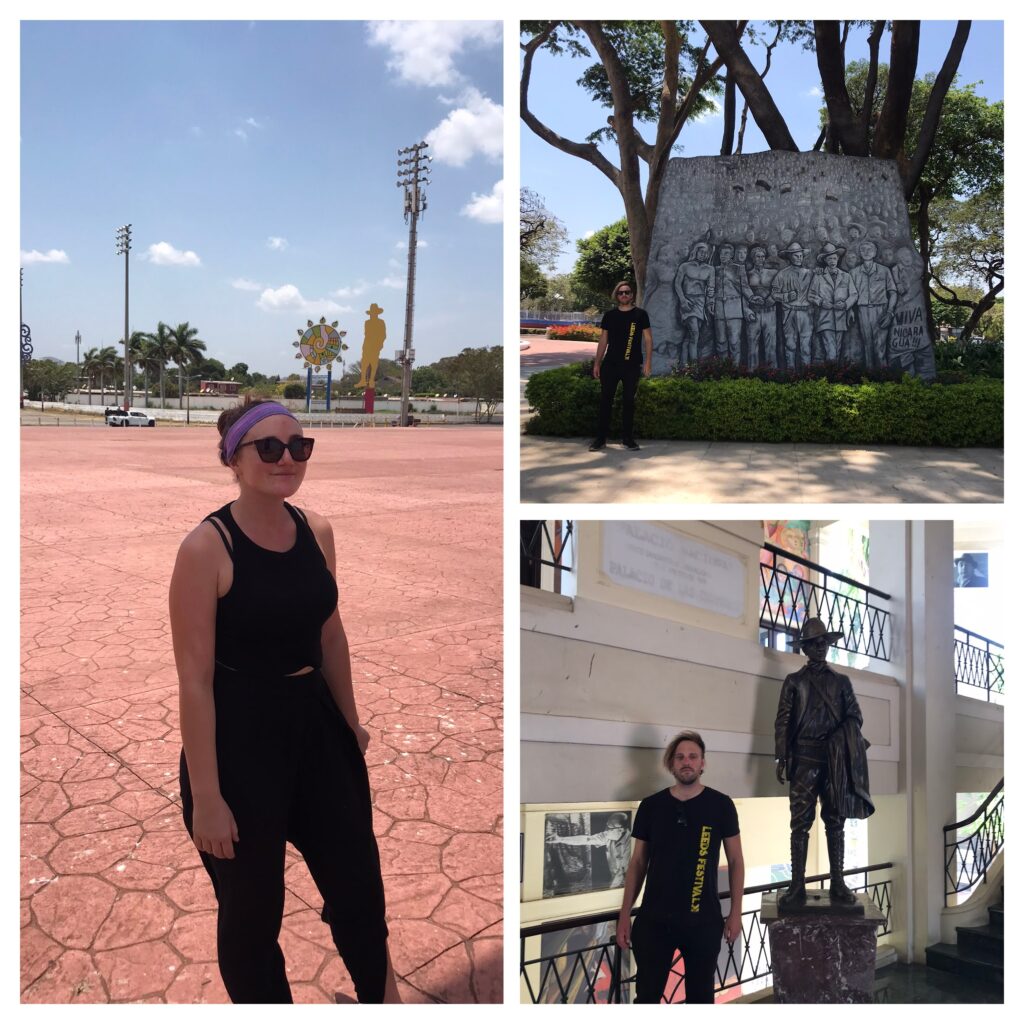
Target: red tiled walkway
{"type": "Point", "coordinates": [115, 905]}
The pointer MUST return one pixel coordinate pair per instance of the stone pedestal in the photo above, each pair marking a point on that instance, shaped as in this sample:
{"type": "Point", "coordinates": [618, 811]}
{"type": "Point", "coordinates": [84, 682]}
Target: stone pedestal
{"type": "Point", "coordinates": [821, 953]}
{"type": "Point", "coordinates": [368, 396]}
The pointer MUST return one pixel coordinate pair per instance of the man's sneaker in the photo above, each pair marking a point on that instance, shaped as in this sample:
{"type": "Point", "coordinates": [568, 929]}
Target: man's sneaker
{"type": "Point", "coordinates": [631, 445]}
{"type": "Point", "coordinates": [597, 445]}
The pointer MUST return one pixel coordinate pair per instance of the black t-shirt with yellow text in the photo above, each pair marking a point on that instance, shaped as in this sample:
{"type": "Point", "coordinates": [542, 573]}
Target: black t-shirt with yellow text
{"type": "Point", "coordinates": [684, 839]}
{"type": "Point", "coordinates": [625, 335]}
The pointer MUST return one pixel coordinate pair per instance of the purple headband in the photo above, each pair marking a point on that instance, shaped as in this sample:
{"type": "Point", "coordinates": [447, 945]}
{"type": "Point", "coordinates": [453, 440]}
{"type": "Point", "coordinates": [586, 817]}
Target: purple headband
{"type": "Point", "coordinates": [246, 422]}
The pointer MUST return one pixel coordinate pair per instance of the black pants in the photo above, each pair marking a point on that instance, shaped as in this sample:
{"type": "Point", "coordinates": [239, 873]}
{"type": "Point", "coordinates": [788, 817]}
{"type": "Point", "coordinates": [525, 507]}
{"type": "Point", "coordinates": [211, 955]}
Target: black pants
{"type": "Point", "coordinates": [654, 946]}
{"type": "Point", "coordinates": [611, 374]}
{"type": "Point", "coordinates": [291, 770]}
{"type": "Point", "coordinates": [808, 782]}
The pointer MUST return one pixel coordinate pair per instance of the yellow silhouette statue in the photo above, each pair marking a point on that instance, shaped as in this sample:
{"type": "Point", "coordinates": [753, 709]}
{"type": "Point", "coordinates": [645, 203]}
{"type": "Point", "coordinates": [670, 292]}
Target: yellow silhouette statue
{"type": "Point", "coordinates": [374, 333]}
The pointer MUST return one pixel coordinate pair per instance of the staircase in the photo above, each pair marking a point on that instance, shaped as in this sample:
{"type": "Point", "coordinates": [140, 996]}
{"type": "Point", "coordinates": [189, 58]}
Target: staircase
{"type": "Point", "coordinates": [978, 951]}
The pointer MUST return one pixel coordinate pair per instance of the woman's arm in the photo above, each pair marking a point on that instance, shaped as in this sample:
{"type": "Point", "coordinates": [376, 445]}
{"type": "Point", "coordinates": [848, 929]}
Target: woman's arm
{"type": "Point", "coordinates": [337, 662]}
{"type": "Point", "coordinates": [193, 611]}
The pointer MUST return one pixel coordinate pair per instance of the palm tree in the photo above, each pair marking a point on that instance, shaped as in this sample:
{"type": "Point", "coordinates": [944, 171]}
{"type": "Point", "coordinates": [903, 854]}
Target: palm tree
{"type": "Point", "coordinates": [149, 359]}
{"type": "Point", "coordinates": [90, 367]}
{"type": "Point", "coordinates": [106, 360]}
{"type": "Point", "coordinates": [162, 340]}
{"type": "Point", "coordinates": [185, 348]}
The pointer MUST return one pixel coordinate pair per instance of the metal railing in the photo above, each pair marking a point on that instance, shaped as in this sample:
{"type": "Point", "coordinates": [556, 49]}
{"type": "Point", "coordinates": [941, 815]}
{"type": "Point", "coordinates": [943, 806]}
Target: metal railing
{"type": "Point", "coordinates": [968, 857]}
{"type": "Point", "coordinates": [978, 665]}
{"type": "Point", "coordinates": [843, 604]}
{"type": "Point", "coordinates": [539, 549]}
{"type": "Point", "coordinates": [554, 316]}
{"type": "Point", "coordinates": [599, 972]}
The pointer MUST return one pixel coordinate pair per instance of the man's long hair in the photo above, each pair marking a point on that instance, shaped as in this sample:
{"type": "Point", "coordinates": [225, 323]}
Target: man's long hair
{"type": "Point", "coordinates": [670, 750]}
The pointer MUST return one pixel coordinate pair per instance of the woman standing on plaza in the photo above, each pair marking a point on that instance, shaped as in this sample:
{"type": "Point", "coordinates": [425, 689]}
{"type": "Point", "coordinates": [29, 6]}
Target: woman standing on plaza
{"type": "Point", "coordinates": [272, 745]}
{"type": "Point", "coordinates": [624, 351]}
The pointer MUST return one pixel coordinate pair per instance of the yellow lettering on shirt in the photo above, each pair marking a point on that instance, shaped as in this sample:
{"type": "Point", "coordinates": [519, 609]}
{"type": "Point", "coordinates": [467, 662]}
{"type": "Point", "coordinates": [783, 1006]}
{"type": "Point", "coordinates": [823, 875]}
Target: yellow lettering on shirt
{"type": "Point", "coordinates": [702, 858]}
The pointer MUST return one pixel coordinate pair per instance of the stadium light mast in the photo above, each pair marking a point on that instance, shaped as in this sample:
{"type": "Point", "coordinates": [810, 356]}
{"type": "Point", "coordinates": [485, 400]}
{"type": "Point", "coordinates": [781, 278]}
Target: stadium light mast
{"type": "Point", "coordinates": [413, 166]}
{"type": "Point", "coordinates": [124, 245]}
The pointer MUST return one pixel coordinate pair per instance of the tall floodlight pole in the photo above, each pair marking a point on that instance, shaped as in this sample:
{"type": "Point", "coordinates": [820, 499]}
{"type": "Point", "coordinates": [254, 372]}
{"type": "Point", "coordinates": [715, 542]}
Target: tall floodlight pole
{"type": "Point", "coordinates": [412, 176]}
{"type": "Point", "coordinates": [26, 342]}
{"type": "Point", "coordinates": [78, 347]}
{"type": "Point", "coordinates": [124, 246]}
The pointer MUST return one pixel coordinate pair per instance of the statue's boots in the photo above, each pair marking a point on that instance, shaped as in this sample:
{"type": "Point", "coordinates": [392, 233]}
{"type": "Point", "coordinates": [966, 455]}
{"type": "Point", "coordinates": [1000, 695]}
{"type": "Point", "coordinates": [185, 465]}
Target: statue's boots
{"type": "Point", "coordinates": [796, 894]}
{"type": "Point", "coordinates": [838, 890]}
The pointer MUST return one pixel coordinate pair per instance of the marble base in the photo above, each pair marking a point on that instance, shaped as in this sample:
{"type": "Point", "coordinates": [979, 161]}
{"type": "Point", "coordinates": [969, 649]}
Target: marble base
{"type": "Point", "coordinates": [822, 955]}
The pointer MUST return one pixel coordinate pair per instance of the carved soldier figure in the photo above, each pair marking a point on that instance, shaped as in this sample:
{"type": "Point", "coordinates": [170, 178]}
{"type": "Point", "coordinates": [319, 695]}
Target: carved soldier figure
{"type": "Point", "coordinates": [694, 286]}
{"type": "Point", "coordinates": [820, 750]}
{"type": "Point", "coordinates": [832, 294]}
{"type": "Point", "coordinates": [790, 288]}
{"type": "Point", "coordinates": [762, 342]}
{"type": "Point", "coordinates": [731, 292]}
{"type": "Point", "coordinates": [876, 300]}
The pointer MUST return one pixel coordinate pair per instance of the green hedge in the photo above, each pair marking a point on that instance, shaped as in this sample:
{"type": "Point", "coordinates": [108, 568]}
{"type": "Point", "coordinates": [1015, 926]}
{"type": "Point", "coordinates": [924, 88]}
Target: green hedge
{"type": "Point", "coordinates": [910, 412]}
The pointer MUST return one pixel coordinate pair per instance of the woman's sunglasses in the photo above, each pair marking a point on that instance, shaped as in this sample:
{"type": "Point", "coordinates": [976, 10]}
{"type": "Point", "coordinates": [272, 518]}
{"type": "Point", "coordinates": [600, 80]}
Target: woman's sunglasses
{"type": "Point", "coordinates": [270, 449]}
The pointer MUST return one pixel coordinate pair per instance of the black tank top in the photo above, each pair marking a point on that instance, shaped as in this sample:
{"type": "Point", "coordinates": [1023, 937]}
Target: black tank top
{"type": "Point", "coordinates": [269, 621]}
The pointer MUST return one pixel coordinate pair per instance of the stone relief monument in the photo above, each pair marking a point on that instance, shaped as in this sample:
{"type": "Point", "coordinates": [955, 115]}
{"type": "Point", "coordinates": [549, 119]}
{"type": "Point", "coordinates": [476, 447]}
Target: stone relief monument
{"type": "Point", "coordinates": [783, 260]}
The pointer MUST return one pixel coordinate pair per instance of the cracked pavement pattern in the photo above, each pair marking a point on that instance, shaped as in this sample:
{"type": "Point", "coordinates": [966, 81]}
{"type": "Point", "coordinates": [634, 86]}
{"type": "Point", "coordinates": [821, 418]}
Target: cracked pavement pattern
{"type": "Point", "coordinates": [115, 906]}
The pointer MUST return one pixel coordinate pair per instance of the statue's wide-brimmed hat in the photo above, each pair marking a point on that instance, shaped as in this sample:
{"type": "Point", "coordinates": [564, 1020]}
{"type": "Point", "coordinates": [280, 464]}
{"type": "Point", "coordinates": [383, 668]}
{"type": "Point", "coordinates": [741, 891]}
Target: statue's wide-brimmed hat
{"type": "Point", "coordinates": [793, 247]}
{"type": "Point", "coordinates": [814, 628]}
{"type": "Point", "coordinates": [828, 249]}
{"type": "Point", "coordinates": [374, 310]}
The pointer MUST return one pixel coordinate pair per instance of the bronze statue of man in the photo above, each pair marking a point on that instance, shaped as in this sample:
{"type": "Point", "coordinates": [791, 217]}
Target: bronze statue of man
{"type": "Point", "coordinates": [820, 750]}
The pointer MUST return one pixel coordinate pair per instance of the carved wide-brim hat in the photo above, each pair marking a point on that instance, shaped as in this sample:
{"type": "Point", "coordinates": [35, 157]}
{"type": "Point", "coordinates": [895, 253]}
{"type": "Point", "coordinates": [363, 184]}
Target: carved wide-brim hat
{"type": "Point", "coordinates": [374, 310]}
{"type": "Point", "coordinates": [828, 249]}
{"type": "Point", "coordinates": [860, 227]}
{"type": "Point", "coordinates": [814, 628]}
{"type": "Point", "coordinates": [793, 247]}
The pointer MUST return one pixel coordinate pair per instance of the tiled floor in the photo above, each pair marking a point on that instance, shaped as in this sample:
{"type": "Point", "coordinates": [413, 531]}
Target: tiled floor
{"type": "Point", "coordinates": [115, 905]}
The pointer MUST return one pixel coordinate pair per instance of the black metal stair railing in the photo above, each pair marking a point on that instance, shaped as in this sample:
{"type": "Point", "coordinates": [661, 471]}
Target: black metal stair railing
{"type": "Point", "coordinates": [539, 548]}
{"type": "Point", "coordinates": [788, 600]}
{"type": "Point", "coordinates": [969, 855]}
{"type": "Point", "coordinates": [978, 665]}
{"type": "Point", "coordinates": [599, 972]}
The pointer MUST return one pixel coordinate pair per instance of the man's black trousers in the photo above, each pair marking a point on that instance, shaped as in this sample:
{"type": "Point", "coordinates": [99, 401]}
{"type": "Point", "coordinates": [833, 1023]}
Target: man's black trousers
{"type": "Point", "coordinates": [654, 946]}
{"type": "Point", "coordinates": [611, 374]}
{"type": "Point", "coordinates": [291, 771]}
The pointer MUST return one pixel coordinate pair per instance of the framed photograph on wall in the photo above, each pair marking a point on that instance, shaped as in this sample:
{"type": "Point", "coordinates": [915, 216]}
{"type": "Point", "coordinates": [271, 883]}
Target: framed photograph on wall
{"type": "Point", "coordinates": [585, 851]}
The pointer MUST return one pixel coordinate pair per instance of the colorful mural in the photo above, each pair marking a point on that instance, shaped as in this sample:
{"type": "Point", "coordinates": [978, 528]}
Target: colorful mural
{"type": "Point", "coordinates": [786, 596]}
{"type": "Point", "coordinates": [319, 344]}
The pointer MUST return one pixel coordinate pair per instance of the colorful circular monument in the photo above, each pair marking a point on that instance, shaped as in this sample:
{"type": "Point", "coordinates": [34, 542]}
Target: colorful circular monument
{"type": "Point", "coordinates": [320, 344]}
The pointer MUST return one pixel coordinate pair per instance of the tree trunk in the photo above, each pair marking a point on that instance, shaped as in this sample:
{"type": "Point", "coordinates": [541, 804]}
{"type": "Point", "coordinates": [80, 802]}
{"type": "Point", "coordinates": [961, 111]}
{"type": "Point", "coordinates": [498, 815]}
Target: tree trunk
{"type": "Point", "coordinates": [930, 124]}
{"type": "Point", "coordinates": [892, 120]}
{"type": "Point", "coordinates": [981, 307]}
{"type": "Point", "coordinates": [766, 114]}
{"type": "Point", "coordinates": [844, 125]}
{"type": "Point", "coordinates": [728, 114]}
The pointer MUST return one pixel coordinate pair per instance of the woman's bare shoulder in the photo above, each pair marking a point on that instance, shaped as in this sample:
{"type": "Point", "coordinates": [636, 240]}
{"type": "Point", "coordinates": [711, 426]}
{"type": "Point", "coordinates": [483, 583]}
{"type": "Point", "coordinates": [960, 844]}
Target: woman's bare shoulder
{"type": "Point", "coordinates": [202, 545]}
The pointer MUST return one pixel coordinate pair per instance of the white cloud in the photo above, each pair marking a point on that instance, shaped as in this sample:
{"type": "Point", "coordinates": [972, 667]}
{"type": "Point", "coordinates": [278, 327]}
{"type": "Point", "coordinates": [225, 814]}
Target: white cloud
{"type": "Point", "coordinates": [351, 291]}
{"type": "Point", "coordinates": [421, 243]}
{"type": "Point", "coordinates": [288, 299]}
{"type": "Point", "coordinates": [589, 234]}
{"type": "Point", "coordinates": [488, 209]}
{"type": "Point", "coordinates": [163, 254]}
{"type": "Point", "coordinates": [277, 244]}
{"type": "Point", "coordinates": [392, 282]}
{"type": "Point", "coordinates": [475, 127]}
{"type": "Point", "coordinates": [252, 122]}
{"type": "Point", "coordinates": [242, 134]}
{"type": "Point", "coordinates": [245, 285]}
{"type": "Point", "coordinates": [50, 256]}
{"type": "Point", "coordinates": [815, 90]}
{"type": "Point", "coordinates": [424, 52]}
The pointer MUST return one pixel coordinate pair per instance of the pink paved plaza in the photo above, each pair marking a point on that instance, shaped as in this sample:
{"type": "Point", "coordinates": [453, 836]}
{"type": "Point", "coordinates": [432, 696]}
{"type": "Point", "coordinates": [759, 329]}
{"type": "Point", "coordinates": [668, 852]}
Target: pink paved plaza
{"type": "Point", "coordinates": [115, 904]}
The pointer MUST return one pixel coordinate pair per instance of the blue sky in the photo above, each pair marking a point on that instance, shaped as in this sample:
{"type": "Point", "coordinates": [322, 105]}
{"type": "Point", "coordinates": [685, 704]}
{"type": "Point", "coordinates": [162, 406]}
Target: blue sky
{"type": "Point", "coordinates": [256, 162]}
{"type": "Point", "coordinates": [585, 200]}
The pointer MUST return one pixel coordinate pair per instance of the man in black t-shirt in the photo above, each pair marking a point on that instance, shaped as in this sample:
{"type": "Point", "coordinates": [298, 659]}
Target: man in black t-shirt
{"type": "Point", "coordinates": [623, 353]}
{"type": "Point", "coordinates": [679, 833]}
